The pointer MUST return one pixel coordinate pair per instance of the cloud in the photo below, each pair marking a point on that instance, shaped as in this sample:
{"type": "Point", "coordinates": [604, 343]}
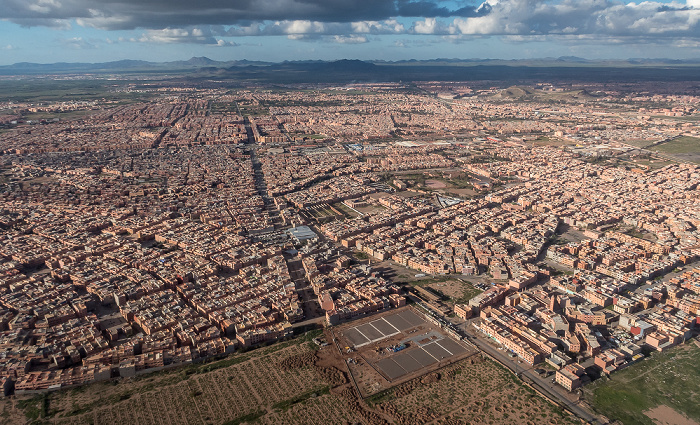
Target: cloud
{"type": "Point", "coordinates": [77, 43]}
{"type": "Point", "coordinates": [192, 35]}
{"type": "Point", "coordinates": [579, 17]}
{"type": "Point", "coordinates": [214, 22]}
{"type": "Point", "coordinates": [429, 26]}
{"type": "Point", "coordinates": [318, 28]}
{"type": "Point", "coordinates": [224, 43]}
{"type": "Point", "coordinates": [161, 14]}
{"type": "Point", "coordinates": [594, 17]}
{"type": "Point", "coordinates": [350, 39]}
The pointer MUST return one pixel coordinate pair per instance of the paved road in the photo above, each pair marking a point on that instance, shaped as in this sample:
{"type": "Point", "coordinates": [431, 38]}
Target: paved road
{"type": "Point", "coordinates": [528, 375]}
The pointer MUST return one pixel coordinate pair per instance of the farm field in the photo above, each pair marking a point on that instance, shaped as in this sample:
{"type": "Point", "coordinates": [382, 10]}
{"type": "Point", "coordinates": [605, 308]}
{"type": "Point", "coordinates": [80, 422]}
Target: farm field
{"type": "Point", "coordinates": [473, 391]}
{"type": "Point", "coordinates": [291, 383]}
{"type": "Point", "coordinates": [684, 148]}
{"type": "Point", "coordinates": [667, 380]}
{"type": "Point", "coordinates": [267, 385]}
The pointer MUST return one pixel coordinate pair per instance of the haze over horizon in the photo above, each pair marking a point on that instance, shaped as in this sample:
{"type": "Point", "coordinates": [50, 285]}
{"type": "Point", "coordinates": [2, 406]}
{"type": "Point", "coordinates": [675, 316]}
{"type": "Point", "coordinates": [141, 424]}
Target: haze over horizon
{"type": "Point", "coordinates": [47, 31]}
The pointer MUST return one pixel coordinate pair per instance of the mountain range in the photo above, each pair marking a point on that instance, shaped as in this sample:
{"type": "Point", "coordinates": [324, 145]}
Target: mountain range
{"type": "Point", "coordinates": [571, 68]}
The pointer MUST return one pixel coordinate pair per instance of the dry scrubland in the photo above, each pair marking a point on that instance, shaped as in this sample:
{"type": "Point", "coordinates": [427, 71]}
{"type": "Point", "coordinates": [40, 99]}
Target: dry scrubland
{"type": "Point", "coordinates": [291, 383]}
{"type": "Point", "coordinates": [265, 385]}
{"type": "Point", "coordinates": [473, 391]}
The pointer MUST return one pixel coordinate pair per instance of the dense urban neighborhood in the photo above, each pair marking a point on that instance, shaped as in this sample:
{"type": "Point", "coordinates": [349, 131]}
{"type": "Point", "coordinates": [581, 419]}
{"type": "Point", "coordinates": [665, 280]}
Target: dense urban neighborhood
{"type": "Point", "coordinates": [553, 228]}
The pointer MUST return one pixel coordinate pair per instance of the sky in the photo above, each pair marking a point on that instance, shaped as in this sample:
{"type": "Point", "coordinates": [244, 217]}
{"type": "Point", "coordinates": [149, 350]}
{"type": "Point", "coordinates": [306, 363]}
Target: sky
{"type": "Point", "coordinates": [48, 31]}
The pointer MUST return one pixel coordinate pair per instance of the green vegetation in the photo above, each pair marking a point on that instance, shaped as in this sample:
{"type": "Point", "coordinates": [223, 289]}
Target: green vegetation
{"type": "Point", "coordinates": [249, 418]}
{"type": "Point", "coordinates": [36, 407]}
{"type": "Point", "coordinates": [381, 397]}
{"type": "Point", "coordinates": [418, 178]}
{"type": "Point", "coordinates": [635, 233]}
{"type": "Point", "coordinates": [663, 379]}
{"type": "Point", "coordinates": [461, 183]}
{"type": "Point", "coordinates": [46, 91]}
{"type": "Point", "coordinates": [468, 293]}
{"type": "Point", "coordinates": [680, 145]}
{"type": "Point", "coordinates": [63, 116]}
{"type": "Point", "coordinates": [222, 107]}
{"type": "Point", "coordinates": [361, 255]}
{"type": "Point", "coordinates": [345, 210]}
{"type": "Point", "coordinates": [685, 118]}
{"type": "Point", "coordinates": [429, 281]}
{"type": "Point", "coordinates": [286, 404]}
{"type": "Point", "coordinates": [558, 272]}
{"type": "Point", "coordinates": [546, 141]}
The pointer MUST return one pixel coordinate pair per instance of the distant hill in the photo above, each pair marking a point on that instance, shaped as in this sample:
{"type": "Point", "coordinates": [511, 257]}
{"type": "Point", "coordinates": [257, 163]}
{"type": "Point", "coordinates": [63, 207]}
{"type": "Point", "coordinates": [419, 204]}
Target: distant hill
{"type": "Point", "coordinates": [516, 92]}
{"type": "Point", "coordinates": [519, 73]}
{"type": "Point", "coordinates": [529, 93]}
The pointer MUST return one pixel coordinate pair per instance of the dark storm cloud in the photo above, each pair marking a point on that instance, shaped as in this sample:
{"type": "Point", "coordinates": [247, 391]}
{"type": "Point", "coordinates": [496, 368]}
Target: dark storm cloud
{"type": "Point", "coordinates": [159, 14]}
{"type": "Point", "coordinates": [207, 21]}
{"type": "Point", "coordinates": [430, 9]}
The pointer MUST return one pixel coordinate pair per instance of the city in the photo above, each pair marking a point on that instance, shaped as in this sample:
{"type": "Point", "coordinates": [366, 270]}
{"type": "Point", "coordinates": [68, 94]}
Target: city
{"type": "Point", "coordinates": [552, 228]}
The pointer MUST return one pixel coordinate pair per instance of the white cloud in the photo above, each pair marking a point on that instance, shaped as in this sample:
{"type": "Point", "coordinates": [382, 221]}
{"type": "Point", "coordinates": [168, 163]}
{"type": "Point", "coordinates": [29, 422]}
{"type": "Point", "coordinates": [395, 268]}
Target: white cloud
{"type": "Point", "coordinates": [218, 20]}
{"type": "Point", "coordinates": [78, 43]}
{"type": "Point", "coordinates": [350, 39]}
{"type": "Point", "coordinates": [224, 43]}
{"type": "Point", "coordinates": [179, 35]}
{"type": "Point", "coordinates": [429, 26]}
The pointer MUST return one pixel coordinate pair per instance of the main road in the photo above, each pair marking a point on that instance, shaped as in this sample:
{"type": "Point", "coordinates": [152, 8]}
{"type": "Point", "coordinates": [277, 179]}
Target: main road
{"type": "Point", "coordinates": [528, 375]}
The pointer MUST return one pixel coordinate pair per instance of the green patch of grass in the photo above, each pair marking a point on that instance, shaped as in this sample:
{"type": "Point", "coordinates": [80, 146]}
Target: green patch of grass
{"type": "Point", "coordinates": [429, 281]}
{"type": "Point", "coordinates": [221, 107]}
{"type": "Point", "coordinates": [663, 379]}
{"type": "Point", "coordinates": [468, 293]}
{"type": "Point", "coordinates": [78, 410]}
{"type": "Point", "coordinates": [286, 404]}
{"type": "Point", "coordinates": [345, 210]}
{"type": "Point", "coordinates": [254, 111]}
{"type": "Point", "coordinates": [36, 407]}
{"type": "Point", "coordinates": [685, 118]}
{"type": "Point", "coordinates": [461, 183]}
{"type": "Point", "coordinates": [250, 417]}
{"type": "Point", "coordinates": [680, 145]}
{"type": "Point", "coordinates": [381, 397]}
{"type": "Point", "coordinates": [361, 255]}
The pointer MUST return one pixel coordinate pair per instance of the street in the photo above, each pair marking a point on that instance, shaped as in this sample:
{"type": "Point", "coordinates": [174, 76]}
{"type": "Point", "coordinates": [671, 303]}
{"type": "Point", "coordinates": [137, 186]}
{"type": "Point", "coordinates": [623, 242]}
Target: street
{"type": "Point", "coordinates": [527, 374]}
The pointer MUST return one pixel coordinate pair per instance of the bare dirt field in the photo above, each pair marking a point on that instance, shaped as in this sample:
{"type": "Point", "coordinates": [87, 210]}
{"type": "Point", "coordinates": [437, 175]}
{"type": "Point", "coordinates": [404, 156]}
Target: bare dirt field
{"type": "Point", "coordinates": [435, 184]}
{"type": "Point", "coordinates": [449, 288]}
{"type": "Point", "coordinates": [664, 415]}
{"type": "Point", "coordinates": [462, 192]}
{"type": "Point", "coordinates": [457, 291]}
